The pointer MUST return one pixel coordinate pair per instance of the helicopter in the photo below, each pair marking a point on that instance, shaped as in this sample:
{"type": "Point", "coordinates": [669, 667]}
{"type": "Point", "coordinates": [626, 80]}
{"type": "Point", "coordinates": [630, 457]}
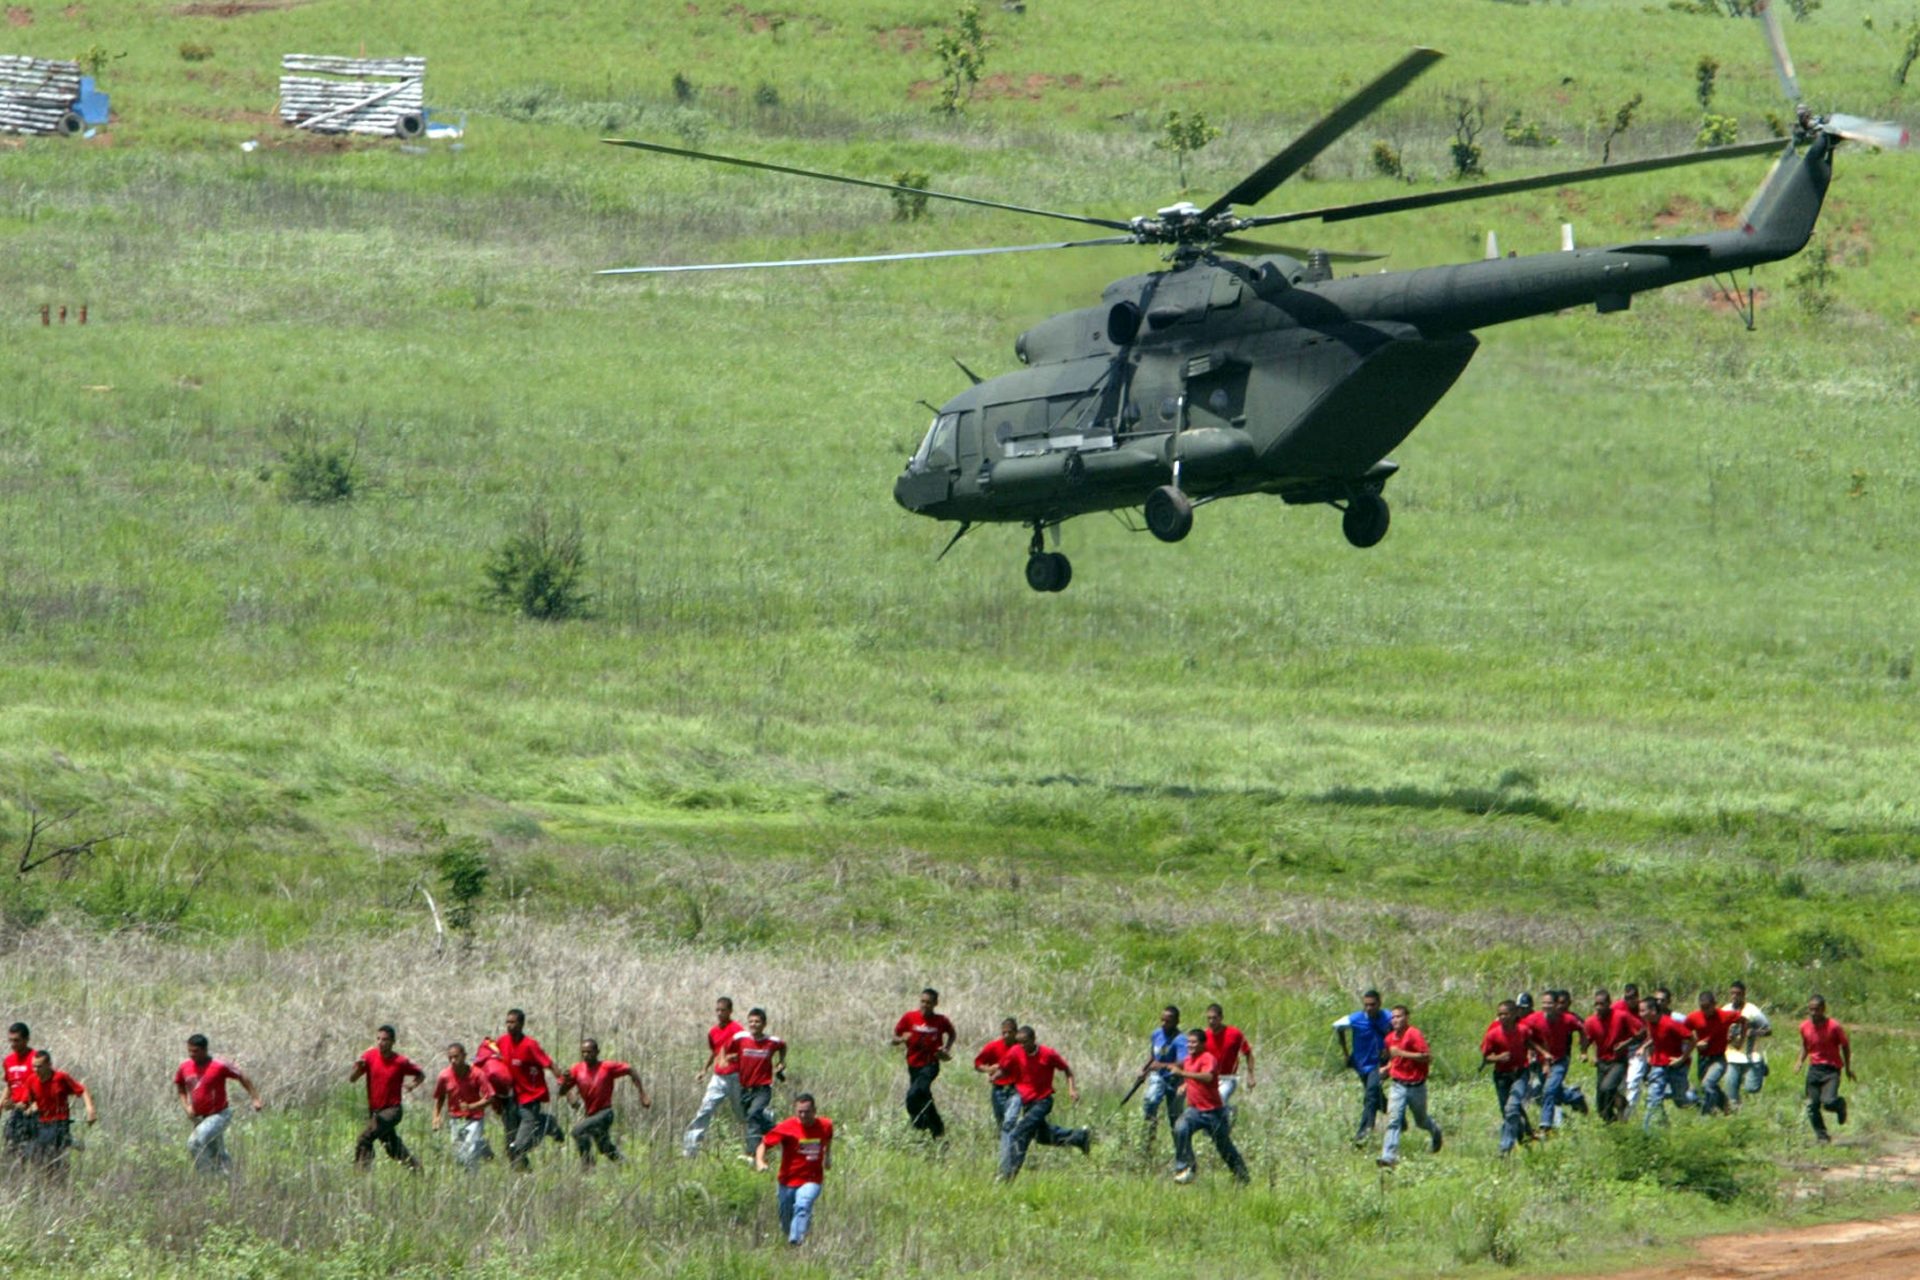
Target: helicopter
{"type": "Point", "coordinates": [1246, 367]}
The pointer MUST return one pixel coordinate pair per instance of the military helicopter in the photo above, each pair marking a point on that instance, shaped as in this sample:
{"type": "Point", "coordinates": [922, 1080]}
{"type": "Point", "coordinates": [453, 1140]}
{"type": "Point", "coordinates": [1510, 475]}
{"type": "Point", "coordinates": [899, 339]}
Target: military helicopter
{"type": "Point", "coordinates": [1226, 375]}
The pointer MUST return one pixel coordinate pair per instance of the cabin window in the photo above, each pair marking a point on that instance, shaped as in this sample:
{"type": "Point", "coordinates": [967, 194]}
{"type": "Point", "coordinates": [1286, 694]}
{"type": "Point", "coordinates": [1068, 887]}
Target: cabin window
{"type": "Point", "coordinates": [936, 451]}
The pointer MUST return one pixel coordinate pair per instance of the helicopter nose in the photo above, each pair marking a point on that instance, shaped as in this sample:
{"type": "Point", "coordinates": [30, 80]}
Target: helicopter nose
{"type": "Point", "coordinates": [903, 490]}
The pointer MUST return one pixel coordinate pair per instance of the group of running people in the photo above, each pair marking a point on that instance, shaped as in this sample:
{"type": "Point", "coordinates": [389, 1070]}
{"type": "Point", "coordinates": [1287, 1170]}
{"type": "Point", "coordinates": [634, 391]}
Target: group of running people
{"type": "Point", "coordinates": [1643, 1052]}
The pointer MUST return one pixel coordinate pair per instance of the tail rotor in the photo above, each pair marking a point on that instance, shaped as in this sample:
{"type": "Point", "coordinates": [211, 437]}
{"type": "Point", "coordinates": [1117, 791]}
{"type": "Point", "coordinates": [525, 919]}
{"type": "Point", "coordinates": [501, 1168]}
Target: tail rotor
{"type": "Point", "coordinates": [1888, 135]}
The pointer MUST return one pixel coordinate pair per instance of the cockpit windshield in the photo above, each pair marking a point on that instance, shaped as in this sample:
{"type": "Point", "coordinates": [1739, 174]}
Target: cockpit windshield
{"type": "Point", "coordinates": [936, 451]}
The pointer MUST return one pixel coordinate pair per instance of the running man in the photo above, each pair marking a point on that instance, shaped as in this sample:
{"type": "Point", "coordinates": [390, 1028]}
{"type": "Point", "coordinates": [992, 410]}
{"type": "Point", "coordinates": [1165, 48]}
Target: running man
{"type": "Point", "coordinates": [1669, 1045]}
{"type": "Point", "coordinates": [991, 1062]}
{"type": "Point", "coordinates": [1408, 1062]}
{"type": "Point", "coordinates": [460, 1095]}
{"type": "Point", "coordinates": [487, 1060]}
{"type": "Point", "coordinates": [806, 1153]}
{"type": "Point", "coordinates": [389, 1075]}
{"type": "Point", "coordinates": [1227, 1045]}
{"type": "Point", "coordinates": [1166, 1048]}
{"type": "Point", "coordinates": [18, 1063]}
{"type": "Point", "coordinates": [1629, 1003]}
{"type": "Point", "coordinates": [49, 1092]}
{"type": "Point", "coordinates": [1825, 1053]}
{"type": "Point", "coordinates": [928, 1038]}
{"type": "Point", "coordinates": [1746, 1055]}
{"type": "Point", "coordinates": [760, 1059]}
{"type": "Point", "coordinates": [529, 1065]}
{"type": "Point", "coordinates": [1032, 1066]}
{"type": "Point", "coordinates": [1367, 1055]}
{"type": "Point", "coordinates": [1711, 1025]}
{"type": "Point", "coordinates": [1509, 1049]}
{"type": "Point", "coordinates": [1204, 1110]}
{"type": "Point", "coordinates": [723, 1079]}
{"type": "Point", "coordinates": [596, 1081]}
{"type": "Point", "coordinates": [1612, 1034]}
{"type": "Point", "coordinates": [1554, 1028]}
{"type": "Point", "coordinates": [201, 1083]}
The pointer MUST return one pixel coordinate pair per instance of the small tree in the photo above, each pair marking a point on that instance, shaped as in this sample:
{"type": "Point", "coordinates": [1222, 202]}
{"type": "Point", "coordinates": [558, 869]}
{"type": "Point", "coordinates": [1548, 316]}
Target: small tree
{"type": "Point", "coordinates": [1705, 74]}
{"type": "Point", "coordinates": [1469, 120]}
{"type": "Point", "coordinates": [1909, 37]}
{"type": "Point", "coordinates": [463, 869]}
{"type": "Point", "coordinates": [1386, 160]}
{"type": "Point", "coordinates": [1622, 121]}
{"type": "Point", "coordinates": [1183, 135]}
{"type": "Point", "coordinates": [1717, 131]}
{"type": "Point", "coordinates": [962, 50]}
{"type": "Point", "coordinates": [909, 206]}
{"type": "Point", "coordinates": [540, 571]}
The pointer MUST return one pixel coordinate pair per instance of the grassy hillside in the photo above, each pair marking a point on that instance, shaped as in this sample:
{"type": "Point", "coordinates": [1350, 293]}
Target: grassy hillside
{"type": "Point", "coordinates": [1627, 694]}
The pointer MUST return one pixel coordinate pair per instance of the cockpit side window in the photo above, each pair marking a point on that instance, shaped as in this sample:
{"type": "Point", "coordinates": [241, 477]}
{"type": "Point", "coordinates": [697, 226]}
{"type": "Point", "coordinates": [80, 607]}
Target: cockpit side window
{"type": "Point", "coordinates": [937, 451]}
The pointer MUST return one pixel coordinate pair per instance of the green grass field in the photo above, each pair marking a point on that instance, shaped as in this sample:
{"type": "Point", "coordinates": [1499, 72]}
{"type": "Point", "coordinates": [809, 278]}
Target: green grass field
{"type": "Point", "coordinates": [1626, 695]}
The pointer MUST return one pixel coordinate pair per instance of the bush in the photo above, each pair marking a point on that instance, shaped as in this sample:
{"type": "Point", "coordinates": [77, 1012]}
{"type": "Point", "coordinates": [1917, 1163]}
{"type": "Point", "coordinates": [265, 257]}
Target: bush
{"type": "Point", "coordinates": [1717, 131]}
{"type": "Point", "coordinates": [1706, 1159]}
{"type": "Point", "coordinates": [463, 868]}
{"type": "Point", "coordinates": [1386, 160]}
{"type": "Point", "coordinates": [540, 571]}
{"type": "Point", "coordinates": [766, 95]}
{"type": "Point", "coordinates": [909, 206]}
{"type": "Point", "coordinates": [683, 90]}
{"type": "Point", "coordinates": [1521, 132]}
{"type": "Point", "coordinates": [194, 51]}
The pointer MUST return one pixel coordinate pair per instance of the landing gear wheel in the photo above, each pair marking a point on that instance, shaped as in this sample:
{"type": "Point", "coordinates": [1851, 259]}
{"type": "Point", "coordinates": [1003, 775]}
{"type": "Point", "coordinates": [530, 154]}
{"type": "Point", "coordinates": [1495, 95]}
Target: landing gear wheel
{"type": "Point", "coordinates": [1365, 521]}
{"type": "Point", "coordinates": [1049, 571]}
{"type": "Point", "coordinates": [1169, 514]}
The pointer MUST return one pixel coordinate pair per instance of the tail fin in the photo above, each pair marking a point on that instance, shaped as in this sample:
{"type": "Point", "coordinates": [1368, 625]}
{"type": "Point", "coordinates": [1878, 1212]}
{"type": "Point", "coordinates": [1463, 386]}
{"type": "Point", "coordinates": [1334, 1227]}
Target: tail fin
{"type": "Point", "coordinates": [1779, 219]}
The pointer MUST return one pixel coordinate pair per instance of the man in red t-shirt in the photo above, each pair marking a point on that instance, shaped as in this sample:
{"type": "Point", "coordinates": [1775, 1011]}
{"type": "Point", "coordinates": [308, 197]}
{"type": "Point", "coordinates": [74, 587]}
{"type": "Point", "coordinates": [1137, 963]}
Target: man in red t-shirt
{"type": "Point", "coordinates": [48, 1093]}
{"type": "Point", "coordinates": [1509, 1049]}
{"type": "Point", "coordinates": [529, 1064]}
{"type": "Point", "coordinates": [806, 1153]}
{"type": "Point", "coordinates": [927, 1037]}
{"type": "Point", "coordinates": [1612, 1034]}
{"type": "Point", "coordinates": [1555, 1028]}
{"type": "Point", "coordinates": [460, 1094]}
{"type": "Point", "coordinates": [991, 1062]}
{"type": "Point", "coordinates": [1669, 1045]}
{"type": "Point", "coordinates": [1228, 1045]}
{"type": "Point", "coordinates": [389, 1075]}
{"type": "Point", "coordinates": [20, 1126]}
{"type": "Point", "coordinates": [594, 1080]}
{"type": "Point", "coordinates": [201, 1084]}
{"type": "Point", "coordinates": [1711, 1026]}
{"type": "Point", "coordinates": [721, 1075]}
{"type": "Point", "coordinates": [760, 1059]}
{"type": "Point", "coordinates": [487, 1060]}
{"type": "Point", "coordinates": [1408, 1062]}
{"type": "Point", "coordinates": [1825, 1053]}
{"type": "Point", "coordinates": [1205, 1109]}
{"type": "Point", "coordinates": [1032, 1066]}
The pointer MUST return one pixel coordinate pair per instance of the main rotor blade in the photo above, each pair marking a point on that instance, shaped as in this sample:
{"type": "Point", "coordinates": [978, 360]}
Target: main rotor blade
{"type": "Point", "coordinates": [1777, 45]}
{"type": "Point", "coordinates": [1566, 177]}
{"type": "Point", "coordinates": [1299, 153]}
{"type": "Point", "coordinates": [862, 182]}
{"type": "Point", "coordinates": [1240, 244]}
{"type": "Point", "coordinates": [869, 257]}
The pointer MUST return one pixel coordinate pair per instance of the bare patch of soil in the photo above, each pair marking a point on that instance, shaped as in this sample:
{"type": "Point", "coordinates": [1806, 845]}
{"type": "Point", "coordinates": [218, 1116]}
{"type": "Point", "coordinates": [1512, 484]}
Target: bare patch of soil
{"type": "Point", "coordinates": [901, 39]}
{"type": "Point", "coordinates": [234, 8]}
{"type": "Point", "coordinates": [19, 16]}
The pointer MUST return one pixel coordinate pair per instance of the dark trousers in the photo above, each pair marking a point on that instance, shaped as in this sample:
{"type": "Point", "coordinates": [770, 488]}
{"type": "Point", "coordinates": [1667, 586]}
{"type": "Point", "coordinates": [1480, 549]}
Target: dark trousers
{"type": "Point", "coordinates": [1823, 1093]}
{"type": "Point", "coordinates": [52, 1139]}
{"type": "Point", "coordinates": [1026, 1124]}
{"type": "Point", "coordinates": [758, 1104]}
{"type": "Point", "coordinates": [595, 1131]}
{"type": "Point", "coordinates": [529, 1126]}
{"type": "Point", "coordinates": [920, 1108]}
{"type": "Point", "coordinates": [1610, 1090]}
{"type": "Point", "coordinates": [21, 1132]}
{"type": "Point", "coordinates": [383, 1127]}
{"type": "Point", "coordinates": [1373, 1100]}
{"type": "Point", "coordinates": [1218, 1128]}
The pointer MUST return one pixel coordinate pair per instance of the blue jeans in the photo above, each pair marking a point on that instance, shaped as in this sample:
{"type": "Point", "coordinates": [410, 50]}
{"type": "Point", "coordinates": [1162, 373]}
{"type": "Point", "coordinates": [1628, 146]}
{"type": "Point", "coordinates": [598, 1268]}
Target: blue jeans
{"type": "Point", "coordinates": [1400, 1099]}
{"type": "Point", "coordinates": [1002, 1096]}
{"type": "Point", "coordinates": [1712, 1097]}
{"type": "Point", "coordinates": [1162, 1089]}
{"type": "Point", "coordinates": [1553, 1093]}
{"type": "Point", "coordinates": [1026, 1124]}
{"type": "Point", "coordinates": [1373, 1100]}
{"type": "Point", "coordinates": [1663, 1083]}
{"type": "Point", "coordinates": [209, 1143]}
{"type": "Point", "coordinates": [1510, 1087]}
{"type": "Point", "coordinates": [796, 1210]}
{"type": "Point", "coordinates": [1744, 1077]}
{"type": "Point", "coordinates": [1219, 1128]}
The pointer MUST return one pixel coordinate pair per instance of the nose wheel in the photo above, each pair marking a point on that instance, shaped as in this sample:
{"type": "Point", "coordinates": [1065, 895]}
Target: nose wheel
{"type": "Point", "coordinates": [1046, 570]}
{"type": "Point", "coordinates": [1365, 520]}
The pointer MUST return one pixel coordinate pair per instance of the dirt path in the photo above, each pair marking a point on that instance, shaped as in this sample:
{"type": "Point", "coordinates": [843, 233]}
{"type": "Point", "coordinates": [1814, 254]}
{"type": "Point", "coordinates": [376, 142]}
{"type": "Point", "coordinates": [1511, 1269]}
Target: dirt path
{"type": "Point", "coordinates": [1885, 1250]}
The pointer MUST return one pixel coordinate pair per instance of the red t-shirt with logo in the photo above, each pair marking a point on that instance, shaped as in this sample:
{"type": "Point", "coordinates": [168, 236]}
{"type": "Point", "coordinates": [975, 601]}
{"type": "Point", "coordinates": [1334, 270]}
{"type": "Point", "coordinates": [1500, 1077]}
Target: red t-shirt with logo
{"type": "Point", "coordinates": [1226, 1045]}
{"type": "Point", "coordinates": [529, 1063]}
{"type": "Point", "coordinates": [1710, 1028]}
{"type": "Point", "coordinates": [1401, 1069]}
{"type": "Point", "coordinates": [467, 1096]}
{"type": "Point", "coordinates": [385, 1076]}
{"type": "Point", "coordinates": [596, 1084]}
{"type": "Point", "coordinates": [1032, 1072]}
{"type": "Point", "coordinates": [927, 1035]}
{"type": "Point", "coordinates": [995, 1055]}
{"type": "Point", "coordinates": [1608, 1033]}
{"type": "Point", "coordinates": [753, 1059]}
{"type": "Point", "coordinates": [1823, 1044]}
{"type": "Point", "coordinates": [803, 1149]}
{"type": "Point", "coordinates": [720, 1043]}
{"type": "Point", "coordinates": [1554, 1032]}
{"type": "Point", "coordinates": [1666, 1040]}
{"type": "Point", "coordinates": [1201, 1096]}
{"type": "Point", "coordinates": [51, 1094]}
{"type": "Point", "coordinates": [1507, 1048]}
{"type": "Point", "coordinates": [206, 1086]}
{"type": "Point", "coordinates": [18, 1067]}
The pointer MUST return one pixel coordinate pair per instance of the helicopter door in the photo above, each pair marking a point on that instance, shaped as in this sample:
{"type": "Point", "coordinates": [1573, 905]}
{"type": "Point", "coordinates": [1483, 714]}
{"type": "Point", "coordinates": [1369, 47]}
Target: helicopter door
{"type": "Point", "coordinates": [1216, 392]}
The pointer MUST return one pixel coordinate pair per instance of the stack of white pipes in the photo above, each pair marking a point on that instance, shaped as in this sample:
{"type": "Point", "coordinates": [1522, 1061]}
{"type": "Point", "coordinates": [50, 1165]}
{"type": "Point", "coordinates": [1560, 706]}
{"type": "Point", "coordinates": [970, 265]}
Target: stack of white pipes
{"type": "Point", "coordinates": [36, 96]}
{"type": "Point", "coordinates": [383, 96]}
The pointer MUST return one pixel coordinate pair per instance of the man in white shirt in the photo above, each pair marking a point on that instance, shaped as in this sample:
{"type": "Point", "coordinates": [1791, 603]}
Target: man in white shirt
{"type": "Point", "coordinates": [1746, 1046]}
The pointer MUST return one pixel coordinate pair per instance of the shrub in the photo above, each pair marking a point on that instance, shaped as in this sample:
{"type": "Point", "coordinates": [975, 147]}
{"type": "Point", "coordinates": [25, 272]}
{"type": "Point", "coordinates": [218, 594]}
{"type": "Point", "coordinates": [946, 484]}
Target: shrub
{"type": "Point", "coordinates": [1717, 131]}
{"type": "Point", "coordinates": [463, 869]}
{"type": "Point", "coordinates": [962, 50]}
{"type": "Point", "coordinates": [1708, 1160]}
{"type": "Point", "coordinates": [1821, 944]}
{"type": "Point", "coordinates": [909, 206]}
{"type": "Point", "coordinates": [313, 470]}
{"type": "Point", "coordinates": [1386, 160]}
{"type": "Point", "coordinates": [766, 95]}
{"type": "Point", "coordinates": [1469, 119]}
{"type": "Point", "coordinates": [683, 90]}
{"type": "Point", "coordinates": [540, 571]}
{"type": "Point", "coordinates": [1812, 284]}
{"type": "Point", "coordinates": [1183, 134]}
{"type": "Point", "coordinates": [194, 51]}
{"type": "Point", "coordinates": [1706, 74]}
{"type": "Point", "coordinates": [1521, 132]}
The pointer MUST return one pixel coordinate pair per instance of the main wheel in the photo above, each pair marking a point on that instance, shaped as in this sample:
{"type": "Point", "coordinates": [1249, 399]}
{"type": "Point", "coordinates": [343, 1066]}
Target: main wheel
{"type": "Point", "coordinates": [1169, 514]}
{"type": "Point", "coordinates": [1365, 521]}
{"type": "Point", "coordinates": [1043, 574]}
{"type": "Point", "coordinates": [1062, 571]}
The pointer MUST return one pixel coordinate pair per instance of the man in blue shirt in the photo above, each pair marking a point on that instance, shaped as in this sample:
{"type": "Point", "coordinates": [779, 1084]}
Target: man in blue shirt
{"type": "Point", "coordinates": [1367, 1055]}
{"type": "Point", "coordinates": [1167, 1048]}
